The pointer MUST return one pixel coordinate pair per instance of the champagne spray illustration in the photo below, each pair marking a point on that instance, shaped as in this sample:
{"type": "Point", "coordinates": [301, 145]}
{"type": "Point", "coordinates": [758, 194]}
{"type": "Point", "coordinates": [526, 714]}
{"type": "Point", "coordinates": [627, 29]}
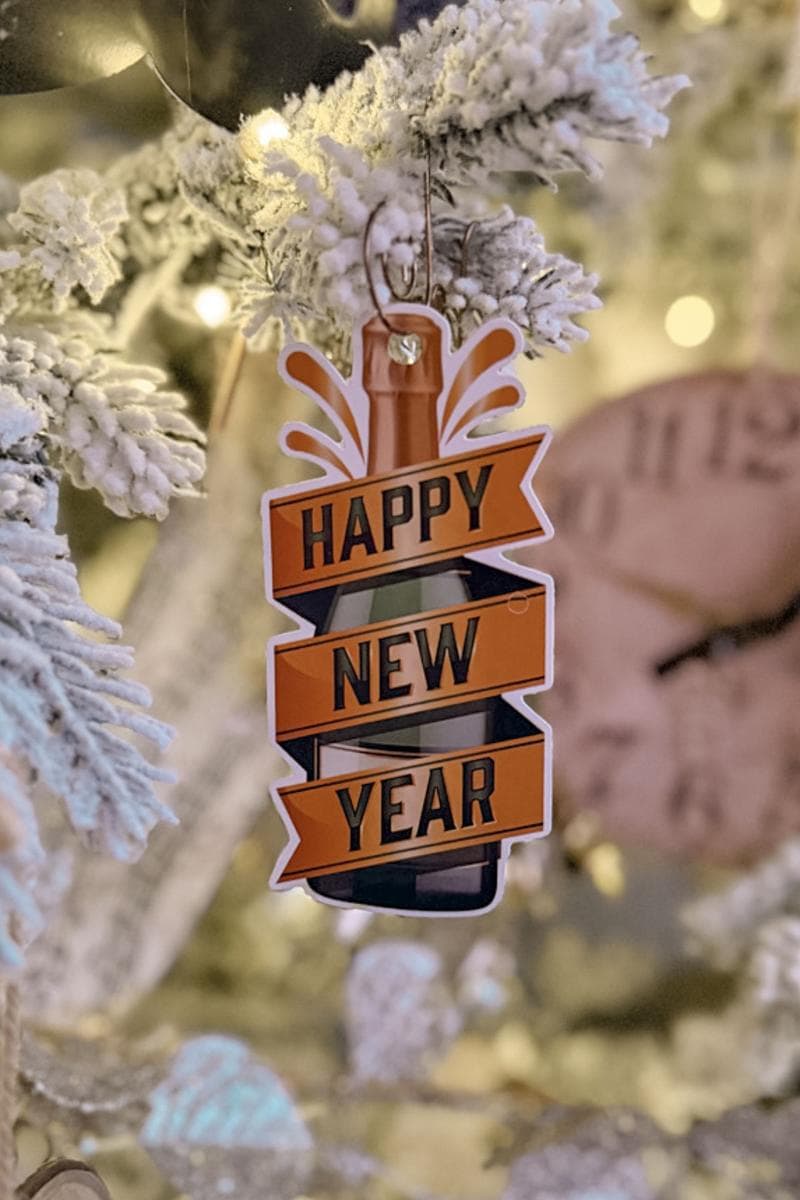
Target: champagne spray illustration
{"type": "Point", "coordinates": [400, 697]}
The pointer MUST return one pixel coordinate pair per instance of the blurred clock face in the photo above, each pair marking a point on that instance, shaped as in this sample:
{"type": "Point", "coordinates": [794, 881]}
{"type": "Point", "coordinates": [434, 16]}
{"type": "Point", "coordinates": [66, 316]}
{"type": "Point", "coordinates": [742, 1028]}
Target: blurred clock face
{"type": "Point", "coordinates": [676, 703]}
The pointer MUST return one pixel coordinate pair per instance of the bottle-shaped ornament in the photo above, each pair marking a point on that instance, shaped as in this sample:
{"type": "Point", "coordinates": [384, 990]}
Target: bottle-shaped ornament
{"type": "Point", "coordinates": [400, 696]}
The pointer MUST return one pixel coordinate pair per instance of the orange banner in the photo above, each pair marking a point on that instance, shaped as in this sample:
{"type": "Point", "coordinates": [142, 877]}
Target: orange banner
{"type": "Point", "coordinates": [467, 797]}
{"type": "Point", "coordinates": [403, 519]}
{"type": "Point", "coordinates": [412, 664]}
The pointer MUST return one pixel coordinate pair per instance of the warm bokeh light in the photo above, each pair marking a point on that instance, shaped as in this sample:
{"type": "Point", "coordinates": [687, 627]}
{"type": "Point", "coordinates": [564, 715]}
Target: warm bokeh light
{"type": "Point", "coordinates": [260, 132]}
{"type": "Point", "coordinates": [689, 321]}
{"type": "Point", "coordinates": [709, 10]}
{"type": "Point", "coordinates": [269, 127]}
{"type": "Point", "coordinates": [604, 864]}
{"type": "Point", "coordinates": [212, 305]}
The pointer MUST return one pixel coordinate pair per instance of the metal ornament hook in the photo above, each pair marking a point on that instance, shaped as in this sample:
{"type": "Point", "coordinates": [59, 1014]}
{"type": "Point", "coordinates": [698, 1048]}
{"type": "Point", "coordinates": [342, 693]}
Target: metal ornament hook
{"type": "Point", "coordinates": [412, 279]}
{"type": "Point", "coordinates": [373, 294]}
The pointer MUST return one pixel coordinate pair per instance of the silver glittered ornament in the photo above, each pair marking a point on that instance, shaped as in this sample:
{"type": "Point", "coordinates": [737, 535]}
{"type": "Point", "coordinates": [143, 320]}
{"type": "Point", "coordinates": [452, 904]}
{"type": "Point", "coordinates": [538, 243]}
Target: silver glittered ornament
{"type": "Point", "coordinates": [602, 1160]}
{"type": "Point", "coordinates": [754, 1148]}
{"type": "Point", "coordinates": [74, 1079]}
{"type": "Point", "coordinates": [223, 1124]}
{"type": "Point", "coordinates": [400, 1013]}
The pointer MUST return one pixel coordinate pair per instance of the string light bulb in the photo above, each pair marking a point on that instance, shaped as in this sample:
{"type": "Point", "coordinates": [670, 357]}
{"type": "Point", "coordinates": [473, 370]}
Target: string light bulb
{"type": "Point", "coordinates": [260, 132]}
{"type": "Point", "coordinates": [710, 11]}
{"type": "Point", "coordinates": [690, 321]}
{"type": "Point", "coordinates": [212, 305]}
{"type": "Point", "coordinates": [269, 126]}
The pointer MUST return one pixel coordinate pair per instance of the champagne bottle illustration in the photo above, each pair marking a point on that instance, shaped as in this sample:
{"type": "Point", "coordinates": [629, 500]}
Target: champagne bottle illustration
{"type": "Point", "coordinates": [400, 699]}
{"type": "Point", "coordinates": [403, 432]}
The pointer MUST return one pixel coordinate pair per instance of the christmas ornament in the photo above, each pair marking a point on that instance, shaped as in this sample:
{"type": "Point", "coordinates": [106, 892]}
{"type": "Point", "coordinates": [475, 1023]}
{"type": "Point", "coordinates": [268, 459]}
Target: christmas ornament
{"type": "Point", "coordinates": [400, 696]}
{"type": "Point", "coordinates": [74, 1080]}
{"type": "Point", "coordinates": [64, 1180]}
{"type": "Point", "coordinates": [486, 977]}
{"type": "Point", "coordinates": [400, 1013]}
{"type": "Point", "coordinates": [222, 1122]}
{"type": "Point", "coordinates": [604, 1158]}
{"type": "Point", "coordinates": [725, 925]}
{"type": "Point", "coordinates": [222, 59]}
{"type": "Point", "coordinates": [678, 569]}
{"type": "Point", "coordinates": [754, 1148]}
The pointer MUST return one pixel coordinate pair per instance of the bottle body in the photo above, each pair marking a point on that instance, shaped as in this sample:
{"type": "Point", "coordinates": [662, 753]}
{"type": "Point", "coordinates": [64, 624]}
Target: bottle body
{"type": "Point", "coordinates": [460, 880]}
{"type": "Point", "coordinates": [404, 432]}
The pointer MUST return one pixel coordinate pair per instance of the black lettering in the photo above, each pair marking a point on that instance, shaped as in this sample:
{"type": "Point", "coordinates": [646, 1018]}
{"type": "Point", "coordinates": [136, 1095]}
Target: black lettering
{"type": "Point", "coordinates": [312, 536]}
{"type": "Point", "coordinates": [722, 431]}
{"type": "Point", "coordinates": [640, 439]}
{"type": "Point", "coordinates": [446, 648]}
{"type": "Point", "coordinates": [670, 449]}
{"type": "Point", "coordinates": [355, 815]}
{"type": "Point", "coordinates": [343, 669]}
{"type": "Point", "coordinates": [393, 808]}
{"type": "Point", "coordinates": [441, 811]}
{"type": "Point", "coordinates": [654, 449]}
{"type": "Point", "coordinates": [697, 800]}
{"type": "Point", "coordinates": [392, 518]}
{"type": "Point", "coordinates": [388, 666]}
{"type": "Point", "coordinates": [473, 792]}
{"type": "Point", "coordinates": [358, 532]}
{"type": "Point", "coordinates": [474, 496]}
{"type": "Point", "coordinates": [429, 510]}
{"type": "Point", "coordinates": [760, 424]}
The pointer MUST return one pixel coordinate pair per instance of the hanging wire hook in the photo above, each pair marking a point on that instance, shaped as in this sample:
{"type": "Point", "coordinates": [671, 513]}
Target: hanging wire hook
{"type": "Point", "coordinates": [428, 227]}
{"type": "Point", "coordinates": [368, 270]}
{"type": "Point", "coordinates": [410, 282]}
{"type": "Point", "coordinates": [408, 278]}
{"type": "Point", "coordinates": [468, 232]}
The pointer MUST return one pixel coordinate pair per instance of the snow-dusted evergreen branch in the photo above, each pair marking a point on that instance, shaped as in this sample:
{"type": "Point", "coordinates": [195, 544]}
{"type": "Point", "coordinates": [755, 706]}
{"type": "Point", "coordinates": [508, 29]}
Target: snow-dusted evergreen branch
{"type": "Point", "coordinates": [495, 86]}
{"type": "Point", "coordinates": [109, 423]}
{"type": "Point", "coordinates": [69, 221]}
{"type": "Point", "coordinates": [61, 697]}
{"type": "Point", "coordinates": [524, 86]}
{"type": "Point", "coordinates": [492, 87]}
{"type": "Point", "coordinates": [500, 267]}
{"type": "Point", "coordinates": [69, 403]}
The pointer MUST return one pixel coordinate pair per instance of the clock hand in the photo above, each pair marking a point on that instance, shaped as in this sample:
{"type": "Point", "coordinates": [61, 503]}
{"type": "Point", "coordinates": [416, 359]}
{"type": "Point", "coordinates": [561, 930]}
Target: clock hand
{"type": "Point", "coordinates": [729, 638]}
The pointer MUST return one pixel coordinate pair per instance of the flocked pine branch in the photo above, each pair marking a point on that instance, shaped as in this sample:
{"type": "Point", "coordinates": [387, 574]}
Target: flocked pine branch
{"type": "Point", "coordinates": [496, 86]}
{"type": "Point", "coordinates": [69, 403]}
{"type": "Point", "coordinates": [68, 222]}
{"type": "Point", "coordinates": [492, 87]}
{"type": "Point", "coordinates": [109, 422]}
{"type": "Point", "coordinates": [62, 702]}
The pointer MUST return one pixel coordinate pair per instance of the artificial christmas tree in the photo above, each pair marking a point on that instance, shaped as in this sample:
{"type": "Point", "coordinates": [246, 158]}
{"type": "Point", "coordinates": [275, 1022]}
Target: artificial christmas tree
{"type": "Point", "coordinates": [471, 1048]}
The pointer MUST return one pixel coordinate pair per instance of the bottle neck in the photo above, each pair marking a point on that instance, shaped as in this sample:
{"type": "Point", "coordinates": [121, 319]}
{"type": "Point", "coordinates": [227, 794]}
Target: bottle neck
{"type": "Point", "coordinates": [403, 427]}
